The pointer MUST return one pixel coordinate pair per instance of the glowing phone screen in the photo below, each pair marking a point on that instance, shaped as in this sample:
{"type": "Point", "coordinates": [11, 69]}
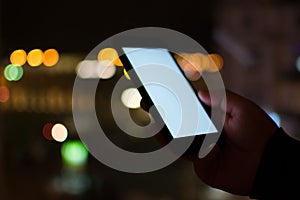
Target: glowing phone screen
{"type": "Point", "coordinates": [170, 108]}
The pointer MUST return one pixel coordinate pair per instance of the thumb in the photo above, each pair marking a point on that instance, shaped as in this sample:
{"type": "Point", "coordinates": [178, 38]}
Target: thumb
{"type": "Point", "coordinates": [231, 103]}
{"type": "Point", "coordinates": [204, 96]}
{"type": "Point", "coordinates": [217, 100]}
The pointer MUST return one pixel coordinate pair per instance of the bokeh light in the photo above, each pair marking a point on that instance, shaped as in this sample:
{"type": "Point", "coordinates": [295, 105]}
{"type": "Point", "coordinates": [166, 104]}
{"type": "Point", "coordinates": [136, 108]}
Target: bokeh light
{"type": "Point", "coordinates": [74, 153]}
{"type": "Point", "coordinates": [126, 74]}
{"type": "Point", "coordinates": [59, 132]}
{"type": "Point", "coordinates": [190, 70]}
{"type": "Point", "coordinates": [51, 57]}
{"type": "Point", "coordinates": [105, 70]}
{"type": "Point", "coordinates": [298, 63]}
{"type": "Point", "coordinates": [194, 64]}
{"type": "Point", "coordinates": [47, 129]}
{"type": "Point", "coordinates": [195, 61]}
{"type": "Point", "coordinates": [4, 94]}
{"type": "Point", "coordinates": [131, 98]}
{"type": "Point", "coordinates": [86, 69]}
{"type": "Point", "coordinates": [13, 72]}
{"type": "Point", "coordinates": [93, 69]}
{"type": "Point", "coordinates": [111, 55]}
{"type": "Point", "coordinates": [218, 61]}
{"type": "Point", "coordinates": [35, 57]}
{"type": "Point", "coordinates": [18, 57]}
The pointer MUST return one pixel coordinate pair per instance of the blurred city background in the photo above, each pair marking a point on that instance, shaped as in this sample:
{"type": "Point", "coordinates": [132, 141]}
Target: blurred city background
{"type": "Point", "coordinates": [41, 156]}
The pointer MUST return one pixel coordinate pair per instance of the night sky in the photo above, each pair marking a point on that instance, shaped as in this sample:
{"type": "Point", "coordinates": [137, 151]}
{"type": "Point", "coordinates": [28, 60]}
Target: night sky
{"type": "Point", "coordinates": [78, 26]}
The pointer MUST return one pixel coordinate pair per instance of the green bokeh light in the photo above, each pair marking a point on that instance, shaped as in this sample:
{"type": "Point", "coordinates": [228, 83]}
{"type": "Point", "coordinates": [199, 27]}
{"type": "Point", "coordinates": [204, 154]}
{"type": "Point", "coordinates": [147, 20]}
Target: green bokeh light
{"type": "Point", "coordinates": [74, 153]}
{"type": "Point", "coordinates": [13, 72]}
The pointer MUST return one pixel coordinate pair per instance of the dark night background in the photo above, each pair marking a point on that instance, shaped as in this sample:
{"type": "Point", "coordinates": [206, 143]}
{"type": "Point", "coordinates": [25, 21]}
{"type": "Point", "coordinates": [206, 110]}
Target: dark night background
{"type": "Point", "coordinates": [80, 25]}
{"type": "Point", "coordinates": [268, 31]}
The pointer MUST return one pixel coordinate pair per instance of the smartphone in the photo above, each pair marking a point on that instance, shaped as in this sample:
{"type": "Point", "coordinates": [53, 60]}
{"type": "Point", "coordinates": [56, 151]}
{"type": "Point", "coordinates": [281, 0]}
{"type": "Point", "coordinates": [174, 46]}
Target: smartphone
{"type": "Point", "coordinates": [163, 84]}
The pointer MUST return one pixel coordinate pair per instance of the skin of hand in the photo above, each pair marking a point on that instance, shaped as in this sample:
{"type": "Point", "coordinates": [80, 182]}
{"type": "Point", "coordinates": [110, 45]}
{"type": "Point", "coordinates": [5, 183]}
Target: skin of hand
{"type": "Point", "coordinates": [233, 162]}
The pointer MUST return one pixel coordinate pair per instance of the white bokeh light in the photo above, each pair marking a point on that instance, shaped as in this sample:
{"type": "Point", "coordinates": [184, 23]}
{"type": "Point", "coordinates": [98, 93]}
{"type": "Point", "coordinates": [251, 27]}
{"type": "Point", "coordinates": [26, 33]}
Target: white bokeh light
{"type": "Point", "coordinates": [131, 98]}
{"type": "Point", "coordinates": [59, 132]}
{"type": "Point", "coordinates": [93, 69]}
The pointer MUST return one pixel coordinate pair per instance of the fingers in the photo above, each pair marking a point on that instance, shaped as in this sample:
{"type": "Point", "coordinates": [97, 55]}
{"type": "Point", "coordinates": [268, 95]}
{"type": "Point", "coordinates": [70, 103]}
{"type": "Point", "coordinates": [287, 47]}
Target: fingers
{"type": "Point", "coordinates": [204, 96]}
{"type": "Point", "coordinates": [228, 103]}
{"type": "Point", "coordinates": [218, 100]}
{"type": "Point", "coordinates": [244, 120]}
{"type": "Point", "coordinates": [237, 104]}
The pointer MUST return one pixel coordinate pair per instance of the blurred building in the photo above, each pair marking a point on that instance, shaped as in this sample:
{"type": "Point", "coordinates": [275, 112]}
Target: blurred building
{"type": "Point", "coordinates": [260, 43]}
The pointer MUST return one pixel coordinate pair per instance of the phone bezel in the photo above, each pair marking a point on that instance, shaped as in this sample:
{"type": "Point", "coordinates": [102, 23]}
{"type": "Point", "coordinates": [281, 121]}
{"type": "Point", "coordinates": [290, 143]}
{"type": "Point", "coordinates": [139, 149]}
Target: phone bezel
{"type": "Point", "coordinates": [194, 148]}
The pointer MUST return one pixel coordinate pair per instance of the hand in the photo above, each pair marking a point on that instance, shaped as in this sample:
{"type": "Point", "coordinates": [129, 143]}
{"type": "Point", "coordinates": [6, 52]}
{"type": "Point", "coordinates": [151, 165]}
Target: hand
{"type": "Point", "coordinates": [232, 164]}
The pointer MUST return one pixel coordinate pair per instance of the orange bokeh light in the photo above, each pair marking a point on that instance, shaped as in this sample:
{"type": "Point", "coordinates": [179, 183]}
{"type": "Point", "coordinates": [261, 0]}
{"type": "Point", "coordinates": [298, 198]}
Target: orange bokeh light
{"type": "Point", "coordinates": [218, 60]}
{"type": "Point", "coordinates": [18, 57]}
{"type": "Point", "coordinates": [198, 62]}
{"type": "Point", "coordinates": [51, 57]}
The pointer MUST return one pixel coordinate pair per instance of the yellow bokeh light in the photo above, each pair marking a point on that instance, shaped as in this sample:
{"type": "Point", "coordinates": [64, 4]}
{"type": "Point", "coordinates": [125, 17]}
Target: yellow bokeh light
{"type": "Point", "coordinates": [51, 57]}
{"type": "Point", "coordinates": [126, 74]}
{"type": "Point", "coordinates": [35, 57]}
{"type": "Point", "coordinates": [18, 57]}
{"type": "Point", "coordinates": [111, 55]}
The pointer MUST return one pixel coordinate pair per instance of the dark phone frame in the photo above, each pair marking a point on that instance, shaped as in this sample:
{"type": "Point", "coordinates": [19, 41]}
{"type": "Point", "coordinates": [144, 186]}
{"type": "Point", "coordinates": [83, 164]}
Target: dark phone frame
{"type": "Point", "coordinates": [163, 134]}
